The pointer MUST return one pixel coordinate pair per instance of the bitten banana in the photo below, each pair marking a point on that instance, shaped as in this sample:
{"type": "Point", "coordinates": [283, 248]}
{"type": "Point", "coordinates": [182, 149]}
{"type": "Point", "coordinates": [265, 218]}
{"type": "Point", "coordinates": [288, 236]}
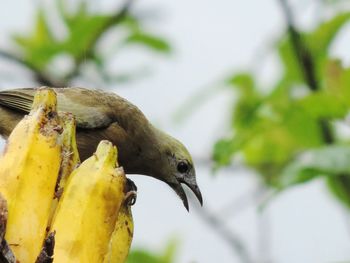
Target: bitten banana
{"type": "Point", "coordinates": [87, 211]}
{"type": "Point", "coordinates": [28, 173]}
{"type": "Point", "coordinates": [69, 157]}
{"type": "Point", "coordinates": [70, 154]}
{"type": "Point", "coordinates": [120, 242]}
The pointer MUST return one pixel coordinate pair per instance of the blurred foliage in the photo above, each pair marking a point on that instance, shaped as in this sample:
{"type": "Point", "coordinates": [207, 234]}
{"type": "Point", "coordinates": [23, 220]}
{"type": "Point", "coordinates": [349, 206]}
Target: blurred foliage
{"type": "Point", "coordinates": [282, 134]}
{"type": "Point", "coordinates": [79, 40]}
{"type": "Point", "coordinates": [145, 256]}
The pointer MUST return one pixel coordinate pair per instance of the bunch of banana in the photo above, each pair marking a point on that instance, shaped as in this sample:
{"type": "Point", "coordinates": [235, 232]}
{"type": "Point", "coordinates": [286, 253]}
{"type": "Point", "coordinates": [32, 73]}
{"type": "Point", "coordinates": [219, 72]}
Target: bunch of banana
{"type": "Point", "coordinates": [82, 211]}
{"type": "Point", "coordinates": [28, 174]}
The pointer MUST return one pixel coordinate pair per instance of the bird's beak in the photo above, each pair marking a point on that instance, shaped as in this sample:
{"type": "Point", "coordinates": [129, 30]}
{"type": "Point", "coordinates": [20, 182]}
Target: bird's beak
{"type": "Point", "coordinates": [190, 181]}
{"type": "Point", "coordinates": [192, 184]}
{"type": "Point", "coordinates": [180, 192]}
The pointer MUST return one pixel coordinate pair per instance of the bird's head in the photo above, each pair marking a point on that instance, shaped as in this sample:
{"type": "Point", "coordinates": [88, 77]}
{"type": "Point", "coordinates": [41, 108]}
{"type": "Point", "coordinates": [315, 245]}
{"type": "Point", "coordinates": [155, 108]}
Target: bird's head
{"type": "Point", "coordinates": [177, 168]}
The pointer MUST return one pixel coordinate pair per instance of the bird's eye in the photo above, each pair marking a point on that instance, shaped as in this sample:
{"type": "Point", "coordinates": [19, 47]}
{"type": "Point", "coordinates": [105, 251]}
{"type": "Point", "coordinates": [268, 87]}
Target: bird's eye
{"type": "Point", "coordinates": [182, 167]}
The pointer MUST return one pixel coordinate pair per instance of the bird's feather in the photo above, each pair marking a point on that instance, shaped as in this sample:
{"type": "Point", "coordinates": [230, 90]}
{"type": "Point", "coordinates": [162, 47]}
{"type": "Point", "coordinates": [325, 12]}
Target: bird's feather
{"type": "Point", "coordinates": [16, 100]}
{"type": "Point", "coordinates": [87, 116]}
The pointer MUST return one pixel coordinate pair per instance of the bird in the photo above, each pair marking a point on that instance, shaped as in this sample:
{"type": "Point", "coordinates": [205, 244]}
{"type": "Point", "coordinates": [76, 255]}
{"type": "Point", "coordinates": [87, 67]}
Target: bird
{"type": "Point", "coordinates": [101, 115]}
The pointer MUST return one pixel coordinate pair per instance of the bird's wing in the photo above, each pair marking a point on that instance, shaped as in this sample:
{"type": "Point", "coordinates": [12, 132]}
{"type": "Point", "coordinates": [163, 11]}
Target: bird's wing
{"type": "Point", "coordinates": [15, 100]}
{"type": "Point", "coordinates": [88, 113]}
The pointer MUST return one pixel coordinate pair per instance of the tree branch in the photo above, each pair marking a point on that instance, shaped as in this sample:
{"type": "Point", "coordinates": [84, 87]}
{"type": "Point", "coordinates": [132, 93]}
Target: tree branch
{"type": "Point", "coordinates": [39, 76]}
{"type": "Point", "coordinates": [264, 229]}
{"type": "Point", "coordinates": [236, 244]}
{"type": "Point", "coordinates": [306, 63]}
{"type": "Point", "coordinates": [234, 207]}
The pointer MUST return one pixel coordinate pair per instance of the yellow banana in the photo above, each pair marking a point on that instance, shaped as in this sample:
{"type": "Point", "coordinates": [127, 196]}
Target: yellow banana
{"type": "Point", "coordinates": [120, 242]}
{"type": "Point", "coordinates": [70, 154]}
{"type": "Point", "coordinates": [28, 174]}
{"type": "Point", "coordinates": [87, 211]}
{"type": "Point", "coordinates": [69, 157]}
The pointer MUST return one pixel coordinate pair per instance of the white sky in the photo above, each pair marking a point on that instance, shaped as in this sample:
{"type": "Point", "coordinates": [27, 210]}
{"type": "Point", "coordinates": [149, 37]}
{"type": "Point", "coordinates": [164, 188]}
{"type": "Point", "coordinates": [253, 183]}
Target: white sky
{"type": "Point", "coordinates": [212, 38]}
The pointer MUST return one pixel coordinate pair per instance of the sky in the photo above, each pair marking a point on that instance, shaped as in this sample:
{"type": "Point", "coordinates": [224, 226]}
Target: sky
{"type": "Point", "coordinates": [212, 39]}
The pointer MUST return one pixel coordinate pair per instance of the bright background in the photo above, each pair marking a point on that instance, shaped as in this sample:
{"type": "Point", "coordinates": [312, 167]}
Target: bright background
{"type": "Point", "coordinates": [304, 224]}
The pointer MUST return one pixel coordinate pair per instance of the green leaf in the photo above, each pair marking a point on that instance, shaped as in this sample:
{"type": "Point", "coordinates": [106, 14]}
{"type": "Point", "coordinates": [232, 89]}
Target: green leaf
{"type": "Point", "coordinates": [225, 148]}
{"type": "Point", "coordinates": [337, 81]}
{"type": "Point", "coordinates": [145, 256]}
{"type": "Point", "coordinates": [132, 23]}
{"type": "Point", "coordinates": [317, 43]}
{"type": "Point", "coordinates": [340, 187]}
{"type": "Point", "coordinates": [324, 105]}
{"type": "Point", "coordinates": [40, 34]}
{"type": "Point", "coordinates": [83, 33]}
{"type": "Point", "coordinates": [267, 130]}
{"type": "Point", "coordinates": [329, 160]}
{"type": "Point", "coordinates": [70, 17]}
{"type": "Point", "coordinates": [244, 81]}
{"type": "Point", "coordinates": [170, 252]}
{"type": "Point", "coordinates": [222, 151]}
{"type": "Point", "coordinates": [151, 41]}
{"type": "Point", "coordinates": [292, 72]}
{"type": "Point", "coordinates": [279, 137]}
{"type": "Point", "coordinates": [321, 38]}
{"type": "Point", "coordinates": [39, 47]}
{"type": "Point", "coordinates": [248, 102]}
{"type": "Point", "coordinates": [84, 29]}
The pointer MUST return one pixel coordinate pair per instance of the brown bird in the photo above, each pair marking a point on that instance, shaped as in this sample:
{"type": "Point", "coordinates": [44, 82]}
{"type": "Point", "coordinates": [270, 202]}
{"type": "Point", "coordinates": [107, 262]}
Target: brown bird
{"type": "Point", "coordinates": [143, 149]}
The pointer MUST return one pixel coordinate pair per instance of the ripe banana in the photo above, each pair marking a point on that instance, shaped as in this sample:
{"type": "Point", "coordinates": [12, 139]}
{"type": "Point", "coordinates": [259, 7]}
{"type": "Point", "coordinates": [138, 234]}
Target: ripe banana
{"type": "Point", "coordinates": [69, 157]}
{"type": "Point", "coordinates": [28, 173]}
{"type": "Point", "coordinates": [120, 242]}
{"type": "Point", "coordinates": [87, 211]}
{"type": "Point", "coordinates": [70, 154]}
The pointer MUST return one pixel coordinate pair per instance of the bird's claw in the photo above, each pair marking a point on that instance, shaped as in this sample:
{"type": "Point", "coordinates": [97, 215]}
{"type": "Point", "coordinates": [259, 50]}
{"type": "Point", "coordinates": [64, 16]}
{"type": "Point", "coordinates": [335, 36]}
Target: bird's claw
{"type": "Point", "coordinates": [131, 192]}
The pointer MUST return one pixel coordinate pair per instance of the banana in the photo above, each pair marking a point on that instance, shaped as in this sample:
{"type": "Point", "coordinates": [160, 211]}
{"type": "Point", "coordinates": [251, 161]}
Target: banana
{"type": "Point", "coordinates": [69, 158]}
{"type": "Point", "coordinates": [87, 211]}
{"type": "Point", "coordinates": [121, 239]}
{"type": "Point", "coordinates": [28, 173]}
{"type": "Point", "coordinates": [70, 154]}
